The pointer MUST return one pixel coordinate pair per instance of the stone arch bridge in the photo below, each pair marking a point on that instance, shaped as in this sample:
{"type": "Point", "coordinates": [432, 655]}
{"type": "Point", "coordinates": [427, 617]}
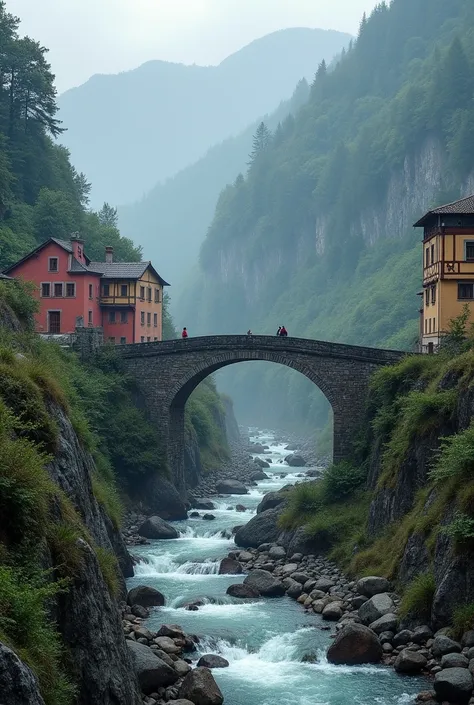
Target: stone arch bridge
{"type": "Point", "coordinates": [167, 373]}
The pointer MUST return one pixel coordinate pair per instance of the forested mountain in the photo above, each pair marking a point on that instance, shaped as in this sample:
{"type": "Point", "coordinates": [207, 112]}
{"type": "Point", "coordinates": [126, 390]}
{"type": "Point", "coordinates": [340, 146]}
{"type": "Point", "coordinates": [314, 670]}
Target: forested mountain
{"type": "Point", "coordinates": [317, 233]}
{"type": "Point", "coordinates": [41, 194]}
{"type": "Point", "coordinates": [130, 131]}
{"type": "Point", "coordinates": [172, 234]}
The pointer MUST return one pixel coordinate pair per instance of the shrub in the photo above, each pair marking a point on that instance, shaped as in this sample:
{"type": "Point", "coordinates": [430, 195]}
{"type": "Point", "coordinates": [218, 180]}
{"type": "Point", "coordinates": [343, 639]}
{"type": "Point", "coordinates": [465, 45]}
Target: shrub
{"type": "Point", "coordinates": [342, 480]}
{"type": "Point", "coordinates": [18, 296]}
{"type": "Point", "coordinates": [107, 495]}
{"type": "Point", "coordinates": [418, 597]}
{"type": "Point", "coordinates": [461, 529]}
{"type": "Point", "coordinates": [456, 458]}
{"type": "Point", "coordinates": [65, 548]}
{"type": "Point", "coordinates": [463, 619]}
{"type": "Point", "coordinates": [305, 500]}
{"type": "Point", "coordinates": [110, 570]}
{"type": "Point", "coordinates": [25, 627]}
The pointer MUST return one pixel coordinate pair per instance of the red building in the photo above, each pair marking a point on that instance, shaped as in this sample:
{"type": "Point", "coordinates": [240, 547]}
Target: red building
{"type": "Point", "coordinates": [125, 298]}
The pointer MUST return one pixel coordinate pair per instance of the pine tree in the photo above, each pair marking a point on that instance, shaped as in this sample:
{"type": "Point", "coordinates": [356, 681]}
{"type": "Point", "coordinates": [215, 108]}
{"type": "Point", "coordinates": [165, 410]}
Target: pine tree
{"type": "Point", "coordinates": [108, 216]}
{"type": "Point", "coordinates": [261, 140]}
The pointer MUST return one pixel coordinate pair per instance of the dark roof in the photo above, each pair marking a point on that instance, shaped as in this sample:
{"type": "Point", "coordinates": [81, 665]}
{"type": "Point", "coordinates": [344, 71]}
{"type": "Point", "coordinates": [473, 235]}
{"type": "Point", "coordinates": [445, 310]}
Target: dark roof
{"type": "Point", "coordinates": [62, 243]}
{"type": "Point", "coordinates": [4, 276]}
{"type": "Point", "coordinates": [465, 206]}
{"type": "Point", "coordinates": [124, 270]}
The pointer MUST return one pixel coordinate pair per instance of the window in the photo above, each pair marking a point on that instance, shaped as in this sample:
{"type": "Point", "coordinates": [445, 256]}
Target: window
{"type": "Point", "coordinates": [142, 293]}
{"type": "Point", "coordinates": [148, 340]}
{"type": "Point", "coordinates": [112, 340]}
{"type": "Point", "coordinates": [434, 324]}
{"type": "Point", "coordinates": [89, 319]}
{"type": "Point", "coordinates": [148, 319]}
{"type": "Point", "coordinates": [46, 289]}
{"type": "Point", "coordinates": [53, 264]}
{"type": "Point", "coordinates": [426, 326]}
{"type": "Point", "coordinates": [427, 297]}
{"type": "Point", "coordinates": [149, 294]}
{"type": "Point", "coordinates": [155, 319]}
{"type": "Point", "coordinates": [58, 289]}
{"type": "Point", "coordinates": [142, 318]}
{"type": "Point", "coordinates": [123, 340]}
{"type": "Point", "coordinates": [469, 250]}
{"type": "Point", "coordinates": [427, 257]}
{"type": "Point", "coordinates": [432, 254]}
{"type": "Point", "coordinates": [70, 288]}
{"type": "Point", "coordinates": [106, 290]}
{"type": "Point", "coordinates": [155, 338]}
{"type": "Point", "coordinates": [157, 296]}
{"type": "Point", "coordinates": [111, 316]}
{"type": "Point", "coordinates": [123, 317]}
{"type": "Point", "coordinates": [465, 291]}
{"type": "Point", "coordinates": [429, 325]}
{"type": "Point", "coordinates": [91, 291]}
{"type": "Point", "coordinates": [142, 339]}
{"type": "Point", "coordinates": [123, 290]}
{"type": "Point", "coordinates": [433, 295]}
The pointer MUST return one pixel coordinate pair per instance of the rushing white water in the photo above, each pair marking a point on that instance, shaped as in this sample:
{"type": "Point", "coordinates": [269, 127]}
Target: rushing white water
{"type": "Point", "coordinates": [263, 640]}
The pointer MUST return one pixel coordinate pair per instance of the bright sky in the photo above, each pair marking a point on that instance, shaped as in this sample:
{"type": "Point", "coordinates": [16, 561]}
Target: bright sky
{"type": "Point", "coordinates": [108, 36]}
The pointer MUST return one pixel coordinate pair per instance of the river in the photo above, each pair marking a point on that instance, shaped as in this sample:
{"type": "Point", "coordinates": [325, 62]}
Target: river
{"type": "Point", "coordinates": [265, 639]}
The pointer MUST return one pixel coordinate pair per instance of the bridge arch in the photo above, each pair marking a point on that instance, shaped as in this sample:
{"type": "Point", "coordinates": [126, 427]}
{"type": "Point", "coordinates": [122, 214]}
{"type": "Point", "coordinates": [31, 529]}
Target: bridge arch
{"type": "Point", "coordinates": [168, 372]}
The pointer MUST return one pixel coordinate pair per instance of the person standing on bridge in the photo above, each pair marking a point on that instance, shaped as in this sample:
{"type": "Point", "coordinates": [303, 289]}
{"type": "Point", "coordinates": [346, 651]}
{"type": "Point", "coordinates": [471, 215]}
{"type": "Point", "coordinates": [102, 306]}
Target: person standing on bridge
{"type": "Point", "coordinates": [279, 331]}
{"type": "Point", "coordinates": [283, 332]}
{"type": "Point", "coordinates": [184, 334]}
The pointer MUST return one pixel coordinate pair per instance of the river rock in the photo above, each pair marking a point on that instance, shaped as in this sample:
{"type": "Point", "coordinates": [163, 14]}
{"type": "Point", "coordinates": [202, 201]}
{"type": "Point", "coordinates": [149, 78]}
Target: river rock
{"type": "Point", "coordinates": [208, 517]}
{"type": "Point", "coordinates": [200, 687]}
{"type": "Point", "coordinates": [295, 461]}
{"type": "Point", "coordinates": [262, 528]}
{"type": "Point", "coordinates": [332, 612]}
{"type": "Point", "coordinates": [173, 631]}
{"type": "Point", "coordinates": [324, 584]}
{"type": "Point", "coordinates": [145, 597]}
{"type": "Point", "coordinates": [355, 644]}
{"type": "Point", "coordinates": [157, 528]}
{"type": "Point", "coordinates": [194, 515]}
{"type": "Point", "coordinates": [277, 552]}
{"type": "Point", "coordinates": [204, 504]}
{"type": "Point", "coordinates": [240, 508]}
{"type": "Point", "coordinates": [468, 639]}
{"type": "Point", "coordinates": [256, 448]}
{"type": "Point", "coordinates": [181, 667]}
{"type": "Point", "coordinates": [410, 662]}
{"type": "Point", "coordinates": [402, 638]}
{"type": "Point", "coordinates": [444, 645]}
{"type": "Point", "coordinates": [231, 487]}
{"type": "Point", "coordinates": [259, 474]}
{"type": "Point", "coordinates": [375, 608]}
{"type": "Point", "coordinates": [182, 702]}
{"type": "Point", "coordinates": [212, 661]}
{"type": "Point", "coordinates": [167, 645]}
{"type": "Point", "coordinates": [422, 634]}
{"type": "Point", "coordinates": [454, 661]}
{"type": "Point", "coordinates": [265, 583]}
{"type": "Point", "coordinates": [161, 498]}
{"type": "Point", "coordinates": [272, 500]}
{"type": "Point", "coordinates": [245, 556]}
{"type": "Point", "coordinates": [372, 585]}
{"type": "Point", "coordinates": [152, 672]}
{"type": "Point", "coordinates": [18, 684]}
{"type": "Point", "coordinates": [242, 591]}
{"type": "Point", "coordinates": [294, 589]}
{"type": "Point", "coordinates": [454, 685]}
{"type": "Point", "coordinates": [387, 623]}
{"type": "Point", "coordinates": [302, 578]}
{"type": "Point", "coordinates": [289, 568]}
{"type": "Point", "coordinates": [229, 566]}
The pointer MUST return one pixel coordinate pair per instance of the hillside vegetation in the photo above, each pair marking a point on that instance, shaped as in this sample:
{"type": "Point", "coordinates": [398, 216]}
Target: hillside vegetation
{"type": "Point", "coordinates": [316, 234]}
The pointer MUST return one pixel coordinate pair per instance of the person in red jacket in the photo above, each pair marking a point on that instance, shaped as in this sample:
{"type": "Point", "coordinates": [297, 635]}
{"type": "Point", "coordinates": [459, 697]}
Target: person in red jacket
{"type": "Point", "coordinates": [283, 332]}
{"type": "Point", "coordinates": [184, 334]}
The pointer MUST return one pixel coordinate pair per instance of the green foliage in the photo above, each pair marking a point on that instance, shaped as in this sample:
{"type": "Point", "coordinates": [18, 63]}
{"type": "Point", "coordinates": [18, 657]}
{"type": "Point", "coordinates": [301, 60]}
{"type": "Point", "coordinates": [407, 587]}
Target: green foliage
{"type": "Point", "coordinates": [66, 550]}
{"type": "Point", "coordinates": [461, 529]}
{"type": "Point", "coordinates": [205, 420]}
{"type": "Point", "coordinates": [106, 493]}
{"type": "Point", "coordinates": [17, 295]}
{"type": "Point", "coordinates": [305, 500]}
{"type": "Point", "coordinates": [456, 458]}
{"type": "Point", "coordinates": [463, 619]}
{"type": "Point", "coordinates": [342, 480]}
{"type": "Point", "coordinates": [25, 626]}
{"type": "Point", "coordinates": [110, 570]}
{"type": "Point", "coordinates": [418, 597]}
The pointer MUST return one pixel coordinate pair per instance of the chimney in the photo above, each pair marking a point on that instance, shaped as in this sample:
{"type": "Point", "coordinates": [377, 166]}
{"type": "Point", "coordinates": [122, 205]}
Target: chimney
{"type": "Point", "coordinates": [77, 245]}
{"type": "Point", "coordinates": [109, 255]}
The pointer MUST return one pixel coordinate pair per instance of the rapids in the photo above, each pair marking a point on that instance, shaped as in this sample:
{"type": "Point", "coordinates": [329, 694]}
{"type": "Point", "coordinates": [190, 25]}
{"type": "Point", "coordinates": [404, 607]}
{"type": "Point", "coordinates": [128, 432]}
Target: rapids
{"type": "Point", "coordinates": [264, 640]}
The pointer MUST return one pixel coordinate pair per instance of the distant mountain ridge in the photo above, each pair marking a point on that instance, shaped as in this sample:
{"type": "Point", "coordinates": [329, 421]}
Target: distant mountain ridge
{"type": "Point", "coordinates": [129, 131]}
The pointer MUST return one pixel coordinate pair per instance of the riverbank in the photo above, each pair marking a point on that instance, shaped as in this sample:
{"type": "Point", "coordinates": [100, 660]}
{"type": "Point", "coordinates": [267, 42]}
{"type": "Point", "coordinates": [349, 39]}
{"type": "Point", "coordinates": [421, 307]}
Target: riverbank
{"type": "Point", "coordinates": [275, 649]}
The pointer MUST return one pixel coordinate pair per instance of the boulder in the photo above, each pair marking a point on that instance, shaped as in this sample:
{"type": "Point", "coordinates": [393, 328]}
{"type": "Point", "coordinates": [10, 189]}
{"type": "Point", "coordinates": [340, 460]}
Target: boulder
{"type": "Point", "coordinates": [240, 508]}
{"type": "Point", "coordinates": [271, 500]}
{"type": "Point", "coordinates": [18, 684]}
{"type": "Point", "coordinates": [204, 504]}
{"type": "Point", "coordinates": [229, 566]}
{"type": "Point", "coordinates": [145, 597]}
{"type": "Point", "coordinates": [231, 487]}
{"type": "Point", "coordinates": [265, 583]}
{"type": "Point", "coordinates": [200, 688]}
{"type": "Point", "coordinates": [212, 661]}
{"type": "Point", "coordinates": [208, 517]}
{"type": "Point", "coordinates": [174, 631]}
{"type": "Point", "coordinates": [289, 568]}
{"type": "Point", "coordinates": [242, 591]}
{"type": "Point", "coordinates": [468, 639]}
{"type": "Point", "coordinates": [159, 497]}
{"type": "Point", "coordinates": [256, 448]}
{"type": "Point", "coordinates": [410, 662]}
{"type": "Point", "coordinates": [291, 446]}
{"type": "Point", "coordinates": [372, 585]}
{"type": "Point", "coordinates": [454, 661]}
{"type": "Point", "coordinates": [355, 644]}
{"type": "Point", "coordinates": [454, 685]}
{"type": "Point", "coordinates": [387, 623]}
{"type": "Point", "coordinates": [262, 528]}
{"type": "Point", "coordinates": [332, 612]}
{"type": "Point", "coordinates": [302, 578]}
{"type": "Point", "coordinates": [403, 637]}
{"type": "Point", "coordinates": [259, 474]}
{"type": "Point", "coordinates": [167, 645]}
{"type": "Point", "coordinates": [245, 556]}
{"type": "Point", "coordinates": [376, 607]}
{"type": "Point", "coordinates": [152, 672]}
{"type": "Point", "coordinates": [277, 552]}
{"type": "Point", "coordinates": [294, 589]}
{"type": "Point", "coordinates": [157, 528]}
{"type": "Point", "coordinates": [324, 584]}
{"type": "Point", "coordinates": [422, 634]}
{"type": "Point", "coordinates": [444, 645]}
{"type": "Point", "coordinates": [194, 515]}
{"type": "Point", "coordinates": [295, 461]}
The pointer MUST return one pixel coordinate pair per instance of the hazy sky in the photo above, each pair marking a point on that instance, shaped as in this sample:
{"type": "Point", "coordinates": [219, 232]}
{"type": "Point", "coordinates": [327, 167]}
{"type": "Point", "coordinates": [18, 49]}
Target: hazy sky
{"type": "Point", "coordinates": [107, 36]}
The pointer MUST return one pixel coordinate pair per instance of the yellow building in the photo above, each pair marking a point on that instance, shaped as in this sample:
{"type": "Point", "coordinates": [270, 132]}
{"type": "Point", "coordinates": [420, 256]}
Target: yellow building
{"type": "Point", "coordinates": [448, 268]}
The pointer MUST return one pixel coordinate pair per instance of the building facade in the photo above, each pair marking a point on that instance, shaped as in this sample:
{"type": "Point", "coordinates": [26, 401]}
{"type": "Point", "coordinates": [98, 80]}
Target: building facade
{"type": "Point", "coordinates": [124, 298]}
{"type": "Point", "coordinates": [448, 268]}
